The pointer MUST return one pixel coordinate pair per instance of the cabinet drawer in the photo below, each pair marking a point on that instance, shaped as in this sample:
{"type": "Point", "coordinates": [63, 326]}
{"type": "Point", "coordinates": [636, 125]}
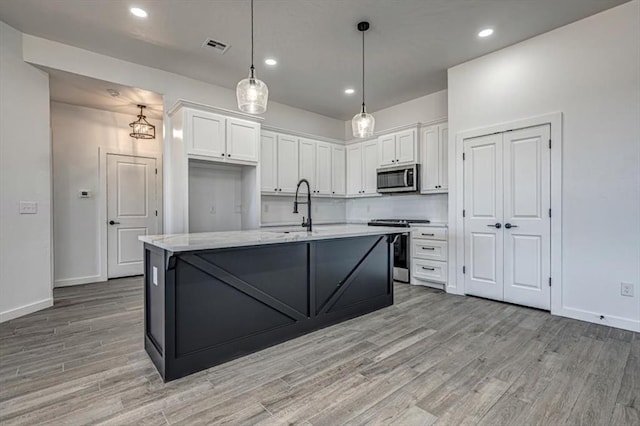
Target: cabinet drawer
{"type": "Point", "coordinates": [430, 270]}
{"type": "Point", "coordinates": [429, 249]}
{"type": "Point", "coordinates": [429, 233]}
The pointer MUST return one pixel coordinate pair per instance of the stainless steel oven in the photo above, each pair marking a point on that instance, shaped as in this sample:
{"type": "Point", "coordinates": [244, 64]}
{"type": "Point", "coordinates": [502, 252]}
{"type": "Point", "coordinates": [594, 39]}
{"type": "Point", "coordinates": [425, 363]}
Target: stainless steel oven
{"type": "Point", "coordinates": [398, 179]}
{"type": "Point", "coordinates": [401, 248]}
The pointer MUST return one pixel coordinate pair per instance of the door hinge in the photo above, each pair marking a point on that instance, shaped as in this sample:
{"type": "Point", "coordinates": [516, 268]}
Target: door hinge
{"type": "Point", "coordinates": [549, 212]}
{"type": "Point", "coordinates": [464, 269]}
{"type": "Point", "coordinates": [549, 281]}
{"type": "Point", "coordinates": [463, 156]}
{"type": "Point", "coordinates": [156, 212]}
{"type": "Point", "coordinates": [464, 212]}
{"type": "Point", "coordinates": [549, 143]}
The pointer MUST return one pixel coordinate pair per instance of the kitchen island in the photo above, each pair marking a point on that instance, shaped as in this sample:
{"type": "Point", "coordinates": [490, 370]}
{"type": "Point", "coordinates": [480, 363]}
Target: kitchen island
{"type": "Point", "coordinates": [213, 297]}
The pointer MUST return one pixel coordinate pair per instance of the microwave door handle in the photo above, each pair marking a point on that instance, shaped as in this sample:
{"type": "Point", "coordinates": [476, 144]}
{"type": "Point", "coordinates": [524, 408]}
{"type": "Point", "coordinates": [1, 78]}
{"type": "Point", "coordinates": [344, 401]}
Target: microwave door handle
{"type": "Point", "coordinates": [406, 177]}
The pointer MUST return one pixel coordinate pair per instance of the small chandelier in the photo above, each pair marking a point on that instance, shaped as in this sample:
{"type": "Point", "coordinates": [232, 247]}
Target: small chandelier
{"type": "Point", "coordinates": [252, 93]}
{"type": "Point", "coordinates": [363, 123]}
{"type": "Point", "coordinates": [141, 128]}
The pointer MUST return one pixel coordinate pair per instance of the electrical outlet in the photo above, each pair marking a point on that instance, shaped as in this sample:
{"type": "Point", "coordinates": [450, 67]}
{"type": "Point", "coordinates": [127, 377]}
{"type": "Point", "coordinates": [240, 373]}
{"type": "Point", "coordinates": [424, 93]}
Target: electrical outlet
{"type": "Point", "coordinates": [28, 207]}
{"type": "Point", "coordinates": [626, 289]}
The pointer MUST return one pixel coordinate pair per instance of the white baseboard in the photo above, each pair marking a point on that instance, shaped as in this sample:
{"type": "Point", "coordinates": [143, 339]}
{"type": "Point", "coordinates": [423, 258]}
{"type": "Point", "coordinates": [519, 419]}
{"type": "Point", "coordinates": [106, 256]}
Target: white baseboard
{"type": "Point", "coordinates": [26, 309]}
{"type": "Point", "coordinates": [66, 282]}
{"type": "Point", "coordinates": [593, 317]}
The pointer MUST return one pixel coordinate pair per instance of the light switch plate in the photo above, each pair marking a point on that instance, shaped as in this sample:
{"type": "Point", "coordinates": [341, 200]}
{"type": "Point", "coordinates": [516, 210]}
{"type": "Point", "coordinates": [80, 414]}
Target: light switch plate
{"type": "Point", "coordinates": [28, 207]}
{"type": "Point", "coordinates": [626, 289]}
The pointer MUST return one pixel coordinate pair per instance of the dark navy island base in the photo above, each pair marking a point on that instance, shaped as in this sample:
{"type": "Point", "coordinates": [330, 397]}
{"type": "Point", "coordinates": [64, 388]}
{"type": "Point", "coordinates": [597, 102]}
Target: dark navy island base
{"type": "Point", "coordinates": [206, 307]}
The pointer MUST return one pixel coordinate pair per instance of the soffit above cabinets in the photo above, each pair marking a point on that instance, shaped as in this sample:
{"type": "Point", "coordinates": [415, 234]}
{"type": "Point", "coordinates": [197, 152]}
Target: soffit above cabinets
{"type": "Point", "coordinates": [410, 45]}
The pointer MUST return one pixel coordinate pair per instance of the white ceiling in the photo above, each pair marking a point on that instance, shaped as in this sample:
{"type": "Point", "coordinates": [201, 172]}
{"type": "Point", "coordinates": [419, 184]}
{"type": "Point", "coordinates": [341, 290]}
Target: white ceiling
{"type": "Point", "coordinates": [410, 45]}
{"type": "Point", "coordinates": [85, 91]}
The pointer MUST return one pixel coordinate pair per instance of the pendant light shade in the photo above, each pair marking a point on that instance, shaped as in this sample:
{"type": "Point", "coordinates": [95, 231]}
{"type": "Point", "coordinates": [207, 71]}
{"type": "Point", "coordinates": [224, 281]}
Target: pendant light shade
{"type": "Point", "coordinates": [141, 128]}
{"type": "Point", "coordinates": [252, 94]}
{"type": "Point", "coordinates": [363, 124]}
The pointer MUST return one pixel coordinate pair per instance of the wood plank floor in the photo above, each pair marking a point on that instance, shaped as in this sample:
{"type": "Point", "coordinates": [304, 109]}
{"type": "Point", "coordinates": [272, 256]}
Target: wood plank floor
{"type": "Point", "coordinates": [432, 358]}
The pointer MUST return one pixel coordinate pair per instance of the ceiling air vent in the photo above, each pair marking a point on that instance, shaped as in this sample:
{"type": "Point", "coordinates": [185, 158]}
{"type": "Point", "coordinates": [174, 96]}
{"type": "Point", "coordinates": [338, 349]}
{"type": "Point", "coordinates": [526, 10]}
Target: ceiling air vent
{"type": "Point", "coordinates": [218, 46]}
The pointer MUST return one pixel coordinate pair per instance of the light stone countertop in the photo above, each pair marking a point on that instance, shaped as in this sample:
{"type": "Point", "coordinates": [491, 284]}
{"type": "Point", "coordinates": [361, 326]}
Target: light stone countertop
{"type": "Point", "coordinates": [216, 240]}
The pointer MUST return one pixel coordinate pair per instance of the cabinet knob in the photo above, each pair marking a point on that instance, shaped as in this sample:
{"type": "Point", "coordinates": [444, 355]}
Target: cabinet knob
{"type": "Point", "coordinates": [276, 189]}
{"type": "Point", "coordinates": [280, 189]}
{"type": "Point", "coordinates": [228, 155]}
{"type": "Point", "coordinates": [222, 154]}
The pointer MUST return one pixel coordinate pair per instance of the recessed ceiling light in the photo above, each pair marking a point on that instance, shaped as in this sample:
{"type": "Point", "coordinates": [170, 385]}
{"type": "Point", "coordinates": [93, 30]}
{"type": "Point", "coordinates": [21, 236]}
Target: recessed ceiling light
{"type": "Point", "coordinates": [270, 61]}
{"type": "Point", "coordinates": [140, 13]}
{"type": "Point", "coordinates": [349, 91]}
{"type": "Point", "coordinates": [485, 33]}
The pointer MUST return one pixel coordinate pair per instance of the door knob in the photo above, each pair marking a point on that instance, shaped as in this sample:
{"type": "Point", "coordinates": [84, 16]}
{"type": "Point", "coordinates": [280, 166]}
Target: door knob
{"type": "Point", "coordinates": [113, 222]}
{"type": "Point", "coordinates": [509, 226]}
{"type": "Point", "coordinates": [497, 226]}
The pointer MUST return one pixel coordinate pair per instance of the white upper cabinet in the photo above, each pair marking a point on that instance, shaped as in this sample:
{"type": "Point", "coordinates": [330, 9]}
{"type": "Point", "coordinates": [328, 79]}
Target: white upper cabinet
{"type": "Point", "coordinates": [362, 165]}
{"type": "Point", "coordinates": [242, 140]}
{"type": "Point", "coordinates": [278, 163]}
{"type": "Point", "coordinates": [307, 164]}
{"type": "Point", "coordinates": [434, 159]}
{"type": "Point", "coordinates": [287, 164]}
{"type": "Point", "coordinates": [338, 170]}
{"type": "Point", "coordinates": [387, 148]}
{"type": "Point", "coordinates": [370, 166]}
{"type": "Point", "coordinates": [323, 169]}
{"type": "Point", "coordinates": [214, 137]}
{"type": "Point", "coordinates": [268, 162]}
{"type": "Point", "coordinates": [205, 134]}
{"type": "Point", "coordinates": [406, 147]}
{"type": "Point", "coordinates": [354, 170]}
{"type": "Point", "coordinates": [398, 148]}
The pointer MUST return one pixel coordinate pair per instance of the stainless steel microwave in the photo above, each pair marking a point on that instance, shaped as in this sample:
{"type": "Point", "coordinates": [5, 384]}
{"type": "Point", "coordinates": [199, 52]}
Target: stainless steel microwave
{"type": "Point", "coordinates": [399, 179]}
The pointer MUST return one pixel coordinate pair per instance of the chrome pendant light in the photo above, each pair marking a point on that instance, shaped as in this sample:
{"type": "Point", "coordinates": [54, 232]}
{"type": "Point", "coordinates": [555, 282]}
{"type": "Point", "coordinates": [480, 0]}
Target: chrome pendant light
{"type": "Point", "coordinates": [141, 128]}
{"type": "Point", "coordinates": [363, 123]}
{"type": "Point", "coordinates": [252, 93]}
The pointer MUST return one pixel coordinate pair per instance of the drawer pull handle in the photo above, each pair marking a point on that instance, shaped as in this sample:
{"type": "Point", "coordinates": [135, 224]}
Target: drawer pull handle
{"type": "Point", "coordinates": [427, 235]}
{"type": "Point", "coordinates": [428, 269]}
{"type": "Point", "coordinates": [428, 248]}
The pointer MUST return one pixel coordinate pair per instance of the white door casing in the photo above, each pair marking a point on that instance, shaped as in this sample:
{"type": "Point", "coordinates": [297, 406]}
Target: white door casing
{"type": "Point", "coordinates": [483, 245]}
{"type": "Point", "coordinates": [527, 225]}
{"type": "Point", "coordinates": [131, 211]}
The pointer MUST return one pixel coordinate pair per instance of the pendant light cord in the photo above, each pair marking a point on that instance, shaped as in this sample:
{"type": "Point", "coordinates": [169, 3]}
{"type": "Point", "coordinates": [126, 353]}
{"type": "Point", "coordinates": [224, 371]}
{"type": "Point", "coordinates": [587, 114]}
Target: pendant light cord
{"type": "Point", "coordinates": [252, 67]}
{"type": "Point", "coordinates": [362, 71]}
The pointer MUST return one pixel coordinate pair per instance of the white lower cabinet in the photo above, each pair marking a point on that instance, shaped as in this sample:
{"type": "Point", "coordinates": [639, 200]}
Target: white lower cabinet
{"type": "Point", "coordinates": [429, 256]}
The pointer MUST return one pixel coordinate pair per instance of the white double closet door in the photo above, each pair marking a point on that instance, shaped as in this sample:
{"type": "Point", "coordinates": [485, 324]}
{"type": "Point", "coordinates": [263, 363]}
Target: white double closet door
{"type": "Point", "coordinates": [507, 224]}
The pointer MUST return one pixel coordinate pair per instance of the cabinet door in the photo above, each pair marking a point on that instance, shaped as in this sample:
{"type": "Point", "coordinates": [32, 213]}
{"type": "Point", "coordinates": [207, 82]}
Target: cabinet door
{"type": "Point", "coordinates": [323, 168]}
{"type": "Point", "coordinates": [307, 165]}
{"type": "Point", "coordinates": [242, 140]}
{"type": "Point", "coordinates": [387, 148]}
{"type": "Point", "coordinates": [205, 134]}
{"type": "Point", "coordinates": [369, 168]}
{"type": "Point", "coordinates": [430, 159]}
{"type": "Point", "coordinates": [406, 147]}
{"type": "Point", "coordinates": [443, 131]}
{"type": "Point", "coordinates": [268, 162]}
{"type": "Point", "coordinates": [338, 170]}
{"type": "Point", "coordinates": [287, 164]}
{"type": "Point", "coordinates": [354, 170]}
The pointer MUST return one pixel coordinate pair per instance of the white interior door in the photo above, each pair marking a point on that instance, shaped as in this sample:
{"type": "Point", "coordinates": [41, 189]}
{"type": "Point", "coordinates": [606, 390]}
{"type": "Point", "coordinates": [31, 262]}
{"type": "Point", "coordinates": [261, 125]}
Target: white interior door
{"type": "Point", "coordinates": [131, 211]}
{"type": "Point", "coordinates": [483, 245]}
{"type": "Point", "coordinates": [527, 227]}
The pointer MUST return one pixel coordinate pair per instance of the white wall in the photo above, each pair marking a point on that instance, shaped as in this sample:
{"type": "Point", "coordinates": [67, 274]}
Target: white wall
{"type": "Point", "coordinates": [278, 210]}
{"type": "Point", "coordinates": [589, 71]}
{"type": "Point", "coordinates": [25, 175]}
{"type": "Point", "coordinates": [77, 134]}
{"type": "Point", "coordinates": [432, 207]}
{"type": "Point", "coordinates": [419, 110]}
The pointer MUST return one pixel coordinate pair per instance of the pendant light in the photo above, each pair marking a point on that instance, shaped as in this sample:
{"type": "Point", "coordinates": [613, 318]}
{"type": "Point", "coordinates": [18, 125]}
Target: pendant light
{"type": "Point", "coordinates": [252, 93]}
{"type": "Point", "coordinates": [141, 128]}
{"type": "Point", "coordinates": [363, 123]}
